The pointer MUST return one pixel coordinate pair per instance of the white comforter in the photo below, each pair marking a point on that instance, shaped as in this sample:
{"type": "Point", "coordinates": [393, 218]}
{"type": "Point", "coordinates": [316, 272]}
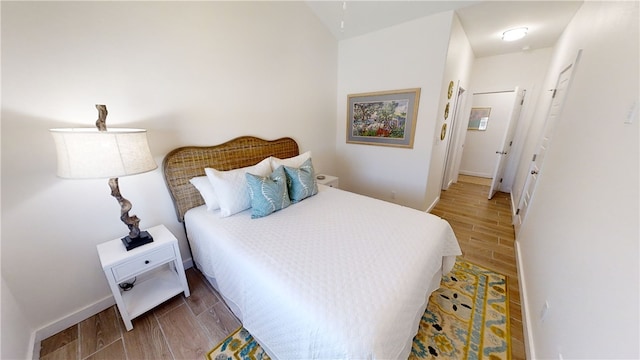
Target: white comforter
{"type": "Point", "coordinates": [336, 276]}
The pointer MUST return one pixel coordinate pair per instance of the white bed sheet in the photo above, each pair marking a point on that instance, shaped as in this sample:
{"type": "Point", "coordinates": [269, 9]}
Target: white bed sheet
{"type": "Point", "coordinates": [336, 276]}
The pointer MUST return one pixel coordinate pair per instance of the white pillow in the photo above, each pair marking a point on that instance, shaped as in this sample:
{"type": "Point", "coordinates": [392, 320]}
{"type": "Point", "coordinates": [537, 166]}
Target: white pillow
{"type": "Point", "coordinates": [207, 191]}
{"type": "Point", "coordinates": [231, 186]}
{"type": "Point", "coordinates": [294, 162]}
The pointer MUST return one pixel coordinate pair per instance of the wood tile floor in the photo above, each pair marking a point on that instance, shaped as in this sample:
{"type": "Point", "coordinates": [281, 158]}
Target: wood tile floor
{"type": "Point", "coordinates": [181, 328]}
{"type": "Point", "coordinates": [484, 231]}
{"type": "Point", "coordinates": [186, 328]}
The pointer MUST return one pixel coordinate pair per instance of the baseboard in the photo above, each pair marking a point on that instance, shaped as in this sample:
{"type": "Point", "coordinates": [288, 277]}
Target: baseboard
{"type": "Point", "coordinates": [524, 304]}
{"type": "Point", "coordinates": [31, 354]}
{"type": "Point", "coordinates": [433, 204]}
{"type": "Point", "coordinates": [448, 185]}
{"type": "Point", "coordinates": [69, 320]}
{"type": "Point", "coordinates": [74, 318]}
{"type": "Point", "coordinates": [477, 174]}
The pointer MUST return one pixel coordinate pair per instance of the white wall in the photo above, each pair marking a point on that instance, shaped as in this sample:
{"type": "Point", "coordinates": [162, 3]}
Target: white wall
{"type": "Point", "coordinates": [457, 69]}
{"type": "Point", "coordinates": [578, 246]}
{"type": "Point", "coordinates": [189, 72]}
{"type": "Point", "coordinates": [409, 55]}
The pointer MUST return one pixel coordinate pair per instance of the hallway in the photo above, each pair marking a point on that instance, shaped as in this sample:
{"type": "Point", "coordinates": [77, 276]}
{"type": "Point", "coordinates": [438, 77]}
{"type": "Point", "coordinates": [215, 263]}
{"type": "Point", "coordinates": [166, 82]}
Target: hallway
{"type": "Point", "coordinates": [486, 236]}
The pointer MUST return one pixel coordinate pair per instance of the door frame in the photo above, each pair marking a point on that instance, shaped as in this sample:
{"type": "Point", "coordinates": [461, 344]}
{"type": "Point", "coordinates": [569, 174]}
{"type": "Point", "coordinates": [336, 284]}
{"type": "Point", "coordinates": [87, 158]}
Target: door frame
{"type": "Point", "coordinates": [451, 159]}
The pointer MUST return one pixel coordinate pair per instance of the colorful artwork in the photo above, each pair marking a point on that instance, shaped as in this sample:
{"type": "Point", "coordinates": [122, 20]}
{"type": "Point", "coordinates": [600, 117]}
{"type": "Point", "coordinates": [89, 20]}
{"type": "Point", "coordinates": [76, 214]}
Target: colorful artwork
{"type": "Point", "coordinates": [479, 118]}
{"type": "Point", "coordinates": [383, 118]}
{"type": "Point", "coordinates": [380, 118]}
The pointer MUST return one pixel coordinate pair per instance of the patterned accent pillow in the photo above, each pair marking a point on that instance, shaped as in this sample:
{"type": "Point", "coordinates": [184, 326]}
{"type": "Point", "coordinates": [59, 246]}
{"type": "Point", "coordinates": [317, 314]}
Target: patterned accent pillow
{"type": "Point", "coordinates": [301, 182]}
{"type": "Point", "coordinates": [268, 193]}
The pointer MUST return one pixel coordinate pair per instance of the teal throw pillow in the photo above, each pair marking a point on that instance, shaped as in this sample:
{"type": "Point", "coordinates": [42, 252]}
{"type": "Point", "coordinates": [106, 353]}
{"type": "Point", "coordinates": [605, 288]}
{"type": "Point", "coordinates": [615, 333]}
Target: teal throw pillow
{"type": "Point", "coordinates": [301, 182]}
{"type": "Point", "coordinates": [268, 193]}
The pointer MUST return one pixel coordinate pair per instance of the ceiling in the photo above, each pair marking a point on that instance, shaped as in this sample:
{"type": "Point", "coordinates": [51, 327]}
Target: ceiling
{"type": "Point", "coordinates": [483, 21]}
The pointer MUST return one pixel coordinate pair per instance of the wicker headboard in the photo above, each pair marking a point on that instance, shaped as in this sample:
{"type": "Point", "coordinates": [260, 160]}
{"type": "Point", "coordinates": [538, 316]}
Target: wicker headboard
{"type": "Point", "coordinates": [184, 163]}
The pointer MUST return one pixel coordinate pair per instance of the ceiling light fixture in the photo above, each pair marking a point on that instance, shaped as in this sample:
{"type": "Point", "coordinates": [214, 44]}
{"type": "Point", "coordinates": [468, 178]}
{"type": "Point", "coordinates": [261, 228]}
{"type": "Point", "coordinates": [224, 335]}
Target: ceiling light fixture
{"type": "Point", "coordinates": [514, 34]}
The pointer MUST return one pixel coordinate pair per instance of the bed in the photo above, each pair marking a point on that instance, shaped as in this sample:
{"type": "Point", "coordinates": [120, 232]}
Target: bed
{"type": "Point", "coordinates": [336, 275]}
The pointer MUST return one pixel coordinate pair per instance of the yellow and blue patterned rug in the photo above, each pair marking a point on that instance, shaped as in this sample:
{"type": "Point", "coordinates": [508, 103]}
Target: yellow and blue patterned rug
{"type": "Point", "coordinates": [467, 318]}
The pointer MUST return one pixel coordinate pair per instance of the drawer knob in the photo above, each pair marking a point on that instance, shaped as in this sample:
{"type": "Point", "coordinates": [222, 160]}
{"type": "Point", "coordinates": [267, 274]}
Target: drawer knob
{"type": "Point", "coordinates": [147, 262]}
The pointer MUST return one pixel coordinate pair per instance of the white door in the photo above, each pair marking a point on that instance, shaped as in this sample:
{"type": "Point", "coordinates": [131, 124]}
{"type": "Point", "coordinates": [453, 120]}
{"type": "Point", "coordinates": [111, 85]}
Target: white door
{"type": "Point", "coordinates": [559, 94]}
{"type": "Point", "coordinates": [503, 153]}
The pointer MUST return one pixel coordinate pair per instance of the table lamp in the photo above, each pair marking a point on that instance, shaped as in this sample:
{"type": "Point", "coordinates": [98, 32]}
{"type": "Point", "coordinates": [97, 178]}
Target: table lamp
{"type": "Point", "coordinates": [88, 153]}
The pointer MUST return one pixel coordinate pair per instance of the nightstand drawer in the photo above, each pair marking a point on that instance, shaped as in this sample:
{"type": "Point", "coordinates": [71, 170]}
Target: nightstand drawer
{"type": "Point", "coordinates": [143, 263]}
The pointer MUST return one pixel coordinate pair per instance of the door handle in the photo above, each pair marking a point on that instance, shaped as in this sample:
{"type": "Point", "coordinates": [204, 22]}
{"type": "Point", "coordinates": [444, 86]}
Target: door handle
{"type": "Point", "coordinates": [501, 152]}
{"type": "Point", "coordinates": [534, 172]}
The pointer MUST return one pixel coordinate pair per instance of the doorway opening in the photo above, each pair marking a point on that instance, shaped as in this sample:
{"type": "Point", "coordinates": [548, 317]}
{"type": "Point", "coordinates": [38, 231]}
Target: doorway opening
{"type": "Point", "coordinates": [489, 136]}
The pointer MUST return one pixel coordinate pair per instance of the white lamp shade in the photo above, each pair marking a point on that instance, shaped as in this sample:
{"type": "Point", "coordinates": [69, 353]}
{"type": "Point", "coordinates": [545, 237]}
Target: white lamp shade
{"type": "Point", "coordinates": [93, 154]}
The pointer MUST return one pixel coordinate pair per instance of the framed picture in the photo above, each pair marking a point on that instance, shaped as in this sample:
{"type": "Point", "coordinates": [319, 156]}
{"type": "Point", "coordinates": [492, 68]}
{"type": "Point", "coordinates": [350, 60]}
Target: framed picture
{"type": "Point", "coordinates": [479, 118]}
{"type": "Point", "coordinates": [385, 118]}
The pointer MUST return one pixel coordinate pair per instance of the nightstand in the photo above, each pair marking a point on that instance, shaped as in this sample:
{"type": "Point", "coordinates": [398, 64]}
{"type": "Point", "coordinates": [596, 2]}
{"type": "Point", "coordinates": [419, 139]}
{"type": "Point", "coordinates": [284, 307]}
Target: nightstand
{"type": "Point", "coordinates": [328, 180]}
{"type": "Point", "coordinates": [157, 268]}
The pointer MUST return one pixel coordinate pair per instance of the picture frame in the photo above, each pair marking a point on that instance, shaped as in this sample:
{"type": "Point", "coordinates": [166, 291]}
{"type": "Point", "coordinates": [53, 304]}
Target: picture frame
{"type": "Point", "coordinates": [479, 118]}
{"type": "Point", "coordinates": [385, 118]}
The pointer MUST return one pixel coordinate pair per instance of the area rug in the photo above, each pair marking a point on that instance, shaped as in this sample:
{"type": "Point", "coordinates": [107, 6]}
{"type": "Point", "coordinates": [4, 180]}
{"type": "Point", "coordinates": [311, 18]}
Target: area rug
{"type": "Point", "coordinates": [239, 345]}
{"type": "Point", "coordinates": [467, 318]}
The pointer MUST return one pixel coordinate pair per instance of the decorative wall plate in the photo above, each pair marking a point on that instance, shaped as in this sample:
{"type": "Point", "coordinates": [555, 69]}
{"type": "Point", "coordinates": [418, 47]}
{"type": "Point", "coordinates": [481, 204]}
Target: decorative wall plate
{"type": "Point", "coordinates": [450, 91]}
{"type": "Point", "coordinates": [446, 111]}
{"type": "Point", "coordinates": [443, 132]}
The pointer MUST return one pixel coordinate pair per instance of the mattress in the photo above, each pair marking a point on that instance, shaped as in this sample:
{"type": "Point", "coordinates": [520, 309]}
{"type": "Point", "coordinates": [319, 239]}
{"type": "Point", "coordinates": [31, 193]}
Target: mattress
{"type": "Point", "coordinates": [335, 276]}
